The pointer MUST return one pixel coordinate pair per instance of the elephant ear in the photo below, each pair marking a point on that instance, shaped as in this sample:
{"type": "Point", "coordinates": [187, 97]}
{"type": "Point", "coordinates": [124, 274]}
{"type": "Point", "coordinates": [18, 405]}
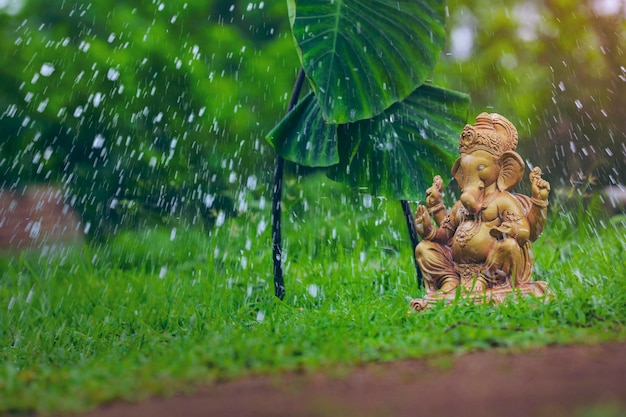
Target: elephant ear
{"type": "Point", "coordinates": [511, 170]}
{"type": "Point", "coordinates": [457, 172]}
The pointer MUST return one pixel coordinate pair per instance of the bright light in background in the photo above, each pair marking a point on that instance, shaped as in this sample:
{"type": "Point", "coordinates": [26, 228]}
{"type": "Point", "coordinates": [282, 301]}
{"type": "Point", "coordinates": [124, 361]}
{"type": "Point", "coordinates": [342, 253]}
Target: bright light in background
{"type": "Point", "coordinates": [462, 36]}
{"type": "Point", "coordinates": [11, 6]}
{"type": "Point", "coordinates": [462, 42]}
{"type": "Point", "coordinates": [609, 7]}
{"type": "Point", "coordinates": [529, 20]}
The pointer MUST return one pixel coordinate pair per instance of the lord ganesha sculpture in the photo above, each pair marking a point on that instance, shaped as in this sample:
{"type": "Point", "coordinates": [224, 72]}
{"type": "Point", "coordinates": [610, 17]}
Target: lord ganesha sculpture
{"type": "Point", "coordinates": [481, 248]}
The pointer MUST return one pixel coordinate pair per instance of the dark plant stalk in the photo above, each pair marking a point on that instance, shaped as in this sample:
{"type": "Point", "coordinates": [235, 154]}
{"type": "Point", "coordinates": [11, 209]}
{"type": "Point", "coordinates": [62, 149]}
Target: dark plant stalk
{"type": "Point", "coordinates": [277, 248]}
{"type": "Point", "coordinates": [277, 196]}
{"type": "Point", "coordinates": [410, 223]}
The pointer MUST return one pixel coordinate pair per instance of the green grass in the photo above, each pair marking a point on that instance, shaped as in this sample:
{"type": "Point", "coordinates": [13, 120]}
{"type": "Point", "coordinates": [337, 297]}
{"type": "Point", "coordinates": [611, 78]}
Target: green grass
{"type": "Point", "coordinates": [151, 313]}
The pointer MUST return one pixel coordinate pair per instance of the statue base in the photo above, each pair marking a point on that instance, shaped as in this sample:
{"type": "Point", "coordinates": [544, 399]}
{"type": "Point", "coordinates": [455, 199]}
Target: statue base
{"type": "Point", "coordinates": [489, 296]}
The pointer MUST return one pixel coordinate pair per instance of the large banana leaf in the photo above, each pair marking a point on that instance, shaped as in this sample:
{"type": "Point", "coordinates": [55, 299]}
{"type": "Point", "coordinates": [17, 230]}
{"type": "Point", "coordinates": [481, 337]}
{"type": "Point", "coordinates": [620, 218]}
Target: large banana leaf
{"type": "Point", "coordinates": [397, 153]}
{"type": "Point", "coordinates": [394, 154]}
{"type": "Point", "coordinates": [304, 137]}
{"type": "Point", "coordinates": [361, 56]}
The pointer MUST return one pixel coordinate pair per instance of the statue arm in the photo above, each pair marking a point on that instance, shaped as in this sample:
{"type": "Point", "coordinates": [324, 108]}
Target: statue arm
{"type": "Point", "coordinates": [434, 201]}
{"type": "Point", "coordinates": [439, 213]}
{"type": "Point", "coordinates": [538, 213]}
{"type": "Point", "coordinates": [430, 232]}
{"type": "Point", "coordinates": [445, 232]}
{"type": "Point", "coordinates": [514, 222]}
{"type": "Point", "coordinates": [536, 206]}
{"type": "Point", "coordinates": [523, 229]}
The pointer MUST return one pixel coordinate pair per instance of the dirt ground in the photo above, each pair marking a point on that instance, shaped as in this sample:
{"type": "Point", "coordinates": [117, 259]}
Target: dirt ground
{"type": "Point", "coordinates": [550, 382]}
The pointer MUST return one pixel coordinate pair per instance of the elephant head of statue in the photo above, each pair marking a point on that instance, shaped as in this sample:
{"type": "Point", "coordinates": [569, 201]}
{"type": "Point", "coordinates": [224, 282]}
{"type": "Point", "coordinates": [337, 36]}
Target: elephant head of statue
{"type": "Point", "coordinates": [488, 163]}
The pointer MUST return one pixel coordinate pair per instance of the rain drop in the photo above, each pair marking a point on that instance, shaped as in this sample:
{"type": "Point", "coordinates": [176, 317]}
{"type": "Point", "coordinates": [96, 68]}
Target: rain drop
{"type": "Point", "coordinates": [261, 227]}
{"type": "Point", "coordinates": [30, 295]}
{"type": "Point", "coordinates": [220, 219]}
{"type": "Point", "coordinates": [252, 182]}
{"type": "Point", "coordinates": [42, 106]}
{"type": "Point", "coordinates": [46, 69]}
{"type": "Point", "coordinates": [312, 290]}
{"type": "Point", "coordinates": [260, 316]}
{"type": "Point", "coordinates": [208, 200]}
{"type": "Point", "coordinates": [98, 142]}
{"type": "Point", "coordinates": [113, 74]}
{"type": "Point", "coordinates": [35, 229]}
{"type": "Point", "coordinates": [97, 99]}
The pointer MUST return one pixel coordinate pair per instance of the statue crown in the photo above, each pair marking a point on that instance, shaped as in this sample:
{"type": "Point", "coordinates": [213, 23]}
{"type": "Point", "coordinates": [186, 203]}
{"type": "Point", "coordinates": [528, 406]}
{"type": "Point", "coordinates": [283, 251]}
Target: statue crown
{"type": "Point", "coordinates": [492, 133]}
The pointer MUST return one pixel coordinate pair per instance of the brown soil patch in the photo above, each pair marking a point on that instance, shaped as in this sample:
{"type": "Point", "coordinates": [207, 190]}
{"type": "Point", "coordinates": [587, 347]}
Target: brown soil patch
{"type": "Point", "coordinates": [36, 216]}
{"type": "Point", "coordinates": [554, 381]}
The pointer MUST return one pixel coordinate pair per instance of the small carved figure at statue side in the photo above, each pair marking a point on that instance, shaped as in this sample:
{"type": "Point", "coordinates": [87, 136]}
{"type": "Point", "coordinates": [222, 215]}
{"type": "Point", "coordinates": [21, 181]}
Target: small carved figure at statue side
{"type": "Point", "coordinates": [483, 244]}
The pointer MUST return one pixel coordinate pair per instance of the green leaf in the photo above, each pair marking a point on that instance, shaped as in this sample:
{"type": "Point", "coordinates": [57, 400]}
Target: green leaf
{"type": "Point", "coordinates": [397, 153]}
{"type": "Point", "coordinates": [361, 56]}
{"type": "Point", "coordinates": [304, 138]}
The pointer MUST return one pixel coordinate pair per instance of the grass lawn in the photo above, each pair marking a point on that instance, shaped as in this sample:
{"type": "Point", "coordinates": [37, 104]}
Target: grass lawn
{"type": "Point", "coordinates": [158, 311]}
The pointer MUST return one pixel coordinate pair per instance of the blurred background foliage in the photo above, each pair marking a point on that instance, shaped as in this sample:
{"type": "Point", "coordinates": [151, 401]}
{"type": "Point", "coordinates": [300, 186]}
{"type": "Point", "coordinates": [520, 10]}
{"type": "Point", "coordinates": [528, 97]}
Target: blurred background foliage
{"type": "Point", "coordinates": [144, 111]}
{"type": "Point", "coordinates": [557, 70]}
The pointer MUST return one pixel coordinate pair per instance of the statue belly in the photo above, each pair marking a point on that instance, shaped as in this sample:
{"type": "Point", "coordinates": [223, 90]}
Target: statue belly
{"type": "Point", "coordinates": [472, 242]}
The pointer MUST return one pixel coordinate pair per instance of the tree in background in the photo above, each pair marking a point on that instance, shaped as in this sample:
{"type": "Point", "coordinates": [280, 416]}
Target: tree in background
{"type": "Point", "coordinates": [152, 107]}
{"type": "Point", "coordinates": [146, 109]}
{"type": "Point", "coordinates": [556, 69]}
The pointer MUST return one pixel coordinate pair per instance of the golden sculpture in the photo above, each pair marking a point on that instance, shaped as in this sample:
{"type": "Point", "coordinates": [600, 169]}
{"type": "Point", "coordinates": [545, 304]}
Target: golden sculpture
{"type": "Point", "coordinates": [481, 248]}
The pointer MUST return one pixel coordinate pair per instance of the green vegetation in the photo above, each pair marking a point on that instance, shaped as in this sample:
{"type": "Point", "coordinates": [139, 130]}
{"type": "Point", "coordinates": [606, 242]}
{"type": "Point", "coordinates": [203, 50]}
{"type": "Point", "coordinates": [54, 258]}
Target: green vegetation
{"type": "Point", "coordinates": [371, 115]}
{"type": "Point", "coordinates": [555, 69]}
{"type": "Point", "coordinates": [161, 104]}
{"type": "Point", "coordinates": [143, 110]}
{"type": "Point", "coordinates": [151, 115]}
{"type": "Point", "coordinates": [157, 311]}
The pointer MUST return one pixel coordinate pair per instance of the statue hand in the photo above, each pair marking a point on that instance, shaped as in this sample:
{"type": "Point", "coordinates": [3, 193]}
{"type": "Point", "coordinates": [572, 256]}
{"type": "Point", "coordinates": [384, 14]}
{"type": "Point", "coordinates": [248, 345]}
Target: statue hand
{"type": "Point", "coordinates": [422, 221]}
{"type": "Point", "coordinates": [506, 229]}
{"type": "Point", "coordinates": [540, 188]}
{"type": "Point", "coordinates": [433, 194]}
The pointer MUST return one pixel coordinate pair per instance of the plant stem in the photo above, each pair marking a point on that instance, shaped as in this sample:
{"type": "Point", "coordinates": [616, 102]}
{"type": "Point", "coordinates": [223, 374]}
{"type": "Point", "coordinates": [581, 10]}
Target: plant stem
{"type": "Point", "coordinates": [410, 223]}
{"type": "Point", "coordinates": [277, 248]}
{"type": "Point", "coordinates": [279, 168]}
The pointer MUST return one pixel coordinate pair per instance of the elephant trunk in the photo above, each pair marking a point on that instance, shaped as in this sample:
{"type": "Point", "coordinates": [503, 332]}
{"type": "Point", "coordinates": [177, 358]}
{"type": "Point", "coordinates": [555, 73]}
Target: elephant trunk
{"type": "Point", "coordinates": [471, 200]}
